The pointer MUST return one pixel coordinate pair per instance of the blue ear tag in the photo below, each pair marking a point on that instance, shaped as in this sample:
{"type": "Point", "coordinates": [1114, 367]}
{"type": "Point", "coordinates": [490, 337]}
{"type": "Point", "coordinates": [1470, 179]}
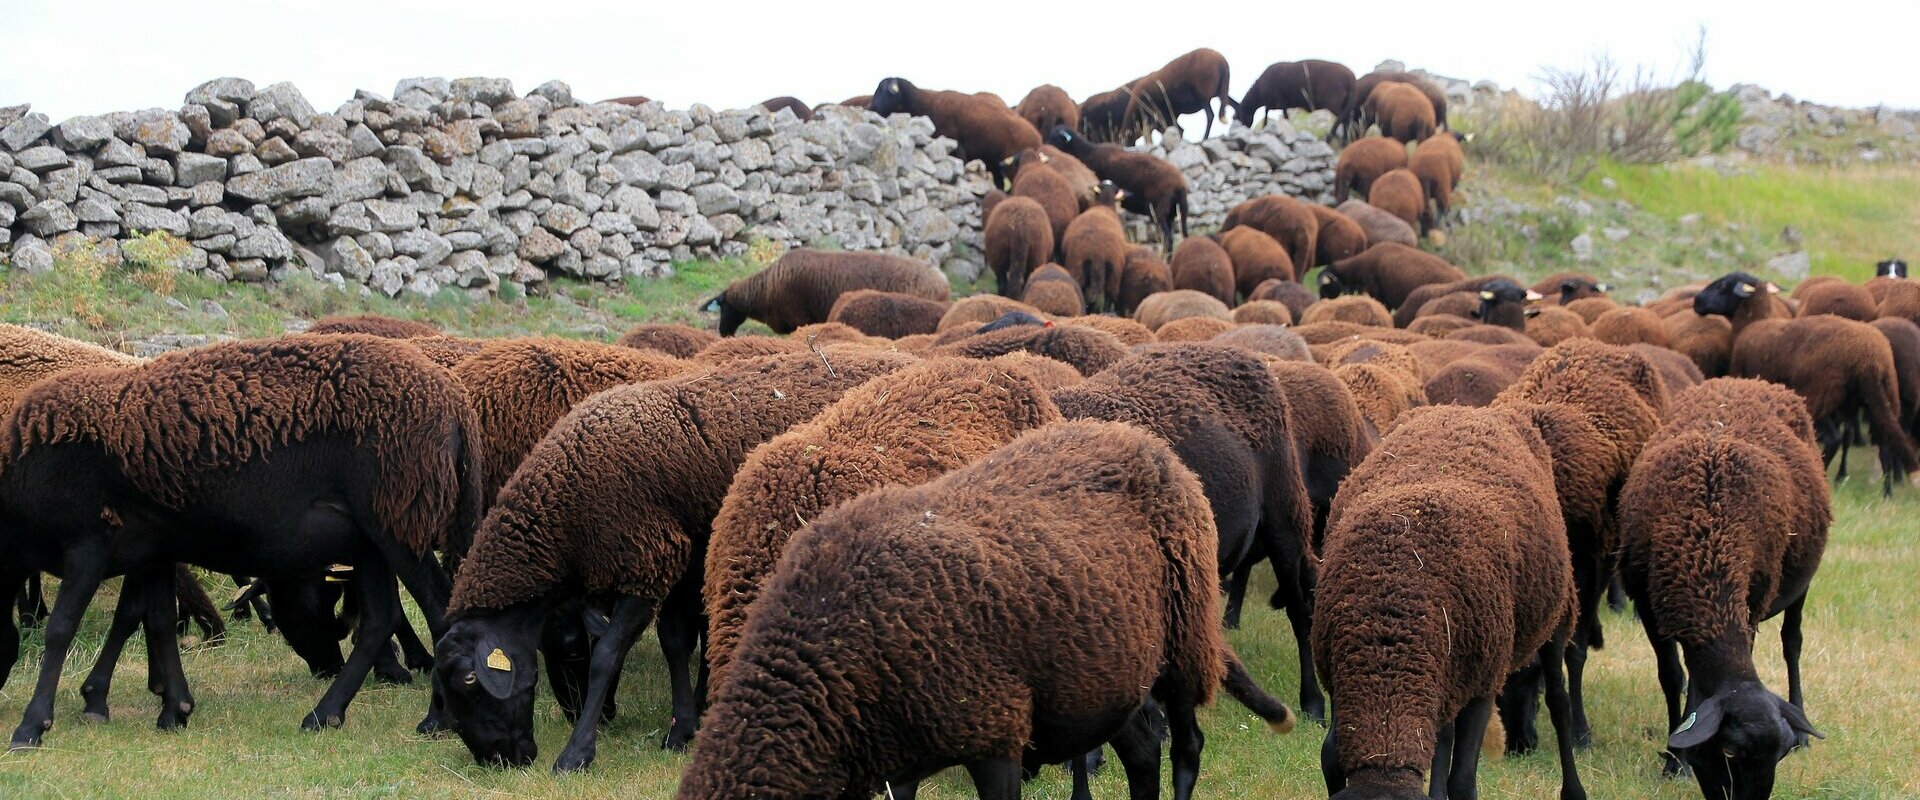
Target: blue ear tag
{"type": "Point", "coordinates": [1688, 725]}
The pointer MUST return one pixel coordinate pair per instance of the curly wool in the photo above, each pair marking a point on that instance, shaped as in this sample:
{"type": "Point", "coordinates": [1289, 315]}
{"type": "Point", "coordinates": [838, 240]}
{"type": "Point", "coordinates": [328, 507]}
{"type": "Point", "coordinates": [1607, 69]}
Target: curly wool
{"type": "Point", "coordinates": [1389, 272]}
{"type": "Point", "coordinates": [1329, 433]}
{"type": "Point", "coordinates": [742, 348]}
{"type": "Point", "coordinates": [1440, 325]}
{"type": "Point", "coordinates": [1383, 393]}
{"type": "Point", "coordinates": [1678, 371]}
{"type": "Point", "coordinates": [1295, 296]}
{"type": "Point", "coordinates": [1590, 308]}
{"type": "Point", "coordinates": [1551, 325]}
{"type": "Point", "coordinates": [1839, 298]}
{"type": "Point", "coordinates": [1193, 329]}
{"type": "Point", "coordinates": [28, 356]}
{"type": "Point", "coordinates": [1489, 334]}
{"type": "Point", "coordinates": [182, 420]}
{"type": "Point", "coordinates": [373, 325]}
{"type": "Point", "coordinates": [1086, 349]}
{"type": "Point", "coordinates": [1417, 302]}
{"type": "Point", "coordinates": [1476, 378]}
{"type": "Point", "coordinates": [980, 309]}
{"type": "Point", "coordinates": [1262, 312]}
{"type": "Point", "coordinates": [801, 287]}
{"type": "Point", "coordinates": [1129, 333]}
{"type": "Point", "coordinates": [447, 351]}
{"type": "Point", "coordinates": [1054, 292]}
{"type": "Point", "coordinates": [1707, 341]}
{"type": "Point", "coordinates": [619, 495]}
{"type": "Point", "coordinates": [1161, 308]}
{"type": "Point", "coordinates": [1438, 353]}
{"type": "Point", "coordinates": [1629, 325]}
{"type": "Point", "coordinates": [901, 429]}
{"type": "Point", "coordinates": [1364, 351]}
{"type": "Point", "coordinates": [1837, 364]}
{"type": "Point", "coordinates": [1046, 372]}
{"type": "Point", "coordinates": [674, 339]}
{"type": "Point", "coordinates": [1358, 309]}
{"type": "Point", "coordinates": [1270, 341]}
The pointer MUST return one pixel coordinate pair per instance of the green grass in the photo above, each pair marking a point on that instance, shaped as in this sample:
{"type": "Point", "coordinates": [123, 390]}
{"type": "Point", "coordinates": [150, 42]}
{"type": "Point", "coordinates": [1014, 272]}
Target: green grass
{"type": "Point", "coordinates": [245, 738]}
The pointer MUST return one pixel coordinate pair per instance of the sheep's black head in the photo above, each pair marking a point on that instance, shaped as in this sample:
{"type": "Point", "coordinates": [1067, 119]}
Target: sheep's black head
{"type": "Point", "coordinates": [1726, 293]}
{"type": "Point", "coordinates": [1735, 740]}
{"type": "Point", "coordinates": [1109, 195]}
{"type": "Point", "coordinates": [1891, 268]}
{"type": "Point", "coordinates": [892, 95]}
{"type": "Point", "coordinates": [1330, 285]}
{"type": "Point", "coordinates": [304, 608]}
{"type": "Point", "coordinates": [485, 673]}
{"type": "Point", "coordinates": [1573, 289]}
{"type": "Point", "coordinates": [1503, 302]}
{"type": "Point", "coordinates": [1382, 785]}
{"type": "Point", "coordinates": [1012, 319]}
{"type": "Point", "coordinates": [731, 316]}
{"type": "Point", "coordinates": [1067, 139]}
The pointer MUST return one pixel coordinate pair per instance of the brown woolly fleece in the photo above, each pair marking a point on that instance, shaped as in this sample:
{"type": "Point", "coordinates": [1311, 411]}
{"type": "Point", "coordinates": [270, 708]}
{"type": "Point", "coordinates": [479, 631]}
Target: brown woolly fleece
{"type": "Point", "coordinates": [1390, 272]}
{"type": "Point", "coordinates": [1839, 298]}
{"type": "Point", "coordinates": [1192, 329]}
{"type": "Point", "coordinates": [821, 334]}
{"type": "Point", "coordinates": [1903, 337]}
{"type": "Point", "coordinates": [1879, 285]}
{"type": "Point", "coordinates": [180, 421]}
{"type": "Point", "coordinates": [447, 351]}
{"type": "Point", "coordinates": [1289, 222]}
{"type": "Point", "coordinates": [888, 314]}
{"type": "Point", "coordinates": [1159, 309]}
{"type": "Point", "coordinates": [1332, 331]}
{"type": "Point", "coordinates": [1262, 312]}
{"type": "Point", "coordinates": [1095, 249]}
{"type": "Point", "coordinates": [741, 348]}
{"type": "Point", "coordinates": [1476, 377]}
{"type": "Point", "coordinates": [1366, 351]}
{"type": "Point", "coordinates": [1087, 349]}
{"type": "Point", "coordinates": [1379, 226]}
{"type": "Point", "coordinates": [1085, 184]}
{"type": "Point", "coordinates": [1338, 236]}
{"type": "Point", "coordinates": [1129, 332]}
{"type": "Point", "coordinates": [1155, 188]}
{"type": "Point", "coordinates": [1801, 289]}
{"type": "Point", "coordinates": [672, 338]}
{"type": "Point", "coordinates": [1054, 194]}
{"type": "Point", "coordinates": [27, 355]}
{"type": "Point", "coordinates": [1382, 393]}
{"type": "Point", "coordinates": [988, 572]}
{"type": "Point", "coordinates": [1840, 366]}
{"type": "Point", "coordinates": [1055, 292]}
{"type": "Point", "coordinates": [1185, 85]}
{"type": "Point", "coordinates": [1048, 373]}
{"type": "Point", "coordinates": [1202, 265]}
{"type": "Point", "coordinates": [1142, 275]}
{"type": "Point", "coordinates": [1363, 89]}
{"type": "Point", "coordinates": [1048, 106]}
{"type": "Point", "coordinates": [1329, 433]}
{"type": "Point", "coordinates": [1358, 309]}
{"type": "Point", "coordinates": [619, 496]}
{"type": "Point", "coordinates": [1590, 308]}
{"type": "Point", "coordinates": [801, 286]}
{"type": "Point", "coordinates": [1440, 352]}
{"type": "Point", "coordinates": [1489, 334]}
{"type": "Point", "coordinates": [1274, 341]}
{"type": "Point", "coordinates": [983, 126]}
{"type": "Point", "coordinates": [1439, 325]}
{"type": "Point", "coordinates": [520, 387]}
{"type": "Point", "coordinates": [1295, 296]}
{"type": "Point", "coordinates": [373, 325]}
{"type": "Point", "coordinates": [1399, 193]}
{"type": "Point", "coordinates": [1402, 110]}
{"type": "Point", "coordinates": [1707, 340]}
{"type": "Point", "coordinates": [1421, 301]}
{"type": "Point", "coordinates": [902, 429]}
{"type": "Point", "coordinates": [1446, 567]}
{"type": "Point", "coordinates": [1019, 237]}
{"type": "Point", "coordinates": [1440, 164]}
{"type": "Point", "coordinates": [1551, 325]}
{"type": "Point", "coordinates": [1901, 299]}
{"type": "Point", "coordinates": [979, 309]}
{"type": "Point", "coordinates": [1566, 287]}
{"type": "Point", "coordinates": [1257, 258]}
{"type": "Point", "coordinates": [1629, 325]}
{"type": "Point", "coordinates": [1679, 372]}
{"type": "Point", "coordinates": [1363, 162]}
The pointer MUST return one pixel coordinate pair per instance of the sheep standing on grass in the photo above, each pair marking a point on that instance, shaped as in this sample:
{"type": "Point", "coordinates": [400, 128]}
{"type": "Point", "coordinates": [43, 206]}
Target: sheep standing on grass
{"type": "Point", "coordinates": [887, 314]}
{"type": "Point", "coordinates": [1723, 523]}
{"type": "Point", "coordinates": [801, 287]}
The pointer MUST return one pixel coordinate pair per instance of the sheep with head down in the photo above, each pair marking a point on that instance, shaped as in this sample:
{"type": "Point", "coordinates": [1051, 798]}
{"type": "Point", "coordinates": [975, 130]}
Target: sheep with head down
{"type": "Point", "coordinates": [1088, 350]}
{"type": "Point", "coordinates": [801, 287]}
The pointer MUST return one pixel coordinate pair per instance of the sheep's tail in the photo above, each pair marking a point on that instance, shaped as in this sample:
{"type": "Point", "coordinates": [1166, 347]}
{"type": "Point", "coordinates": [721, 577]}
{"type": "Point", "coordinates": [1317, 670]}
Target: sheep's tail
{"type": "Point", "coordinates": [1263, 704]}
{"type": "Point", "coordinates": [196, 606]}
{"type": "Point", "coordinates": [1883, 410]}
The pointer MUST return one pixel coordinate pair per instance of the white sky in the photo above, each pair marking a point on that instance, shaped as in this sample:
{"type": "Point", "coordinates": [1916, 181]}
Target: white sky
{"type": "Point", "coordinates": [71, 57]}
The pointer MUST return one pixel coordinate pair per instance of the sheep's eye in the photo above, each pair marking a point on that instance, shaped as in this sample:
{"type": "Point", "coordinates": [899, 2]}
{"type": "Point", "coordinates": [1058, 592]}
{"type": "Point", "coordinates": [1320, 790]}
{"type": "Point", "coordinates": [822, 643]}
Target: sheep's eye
{"type": "Point", "coordinates": [471, 679]}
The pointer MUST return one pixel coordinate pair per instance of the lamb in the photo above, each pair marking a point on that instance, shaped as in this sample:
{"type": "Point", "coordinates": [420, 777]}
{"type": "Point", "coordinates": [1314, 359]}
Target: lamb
{"type": "Point", "coordinates": [1256, 256]}
{"type": "Point", "coordinates": [980, 308]}
{"type": "Point", "coordinates": [1054, 194]}
{"type": "Point", "coordinates": [1290, 222]}
{"type": "Point", "coordinates": [1707, 340]}
{"type": "Point", "coordinates": [792, 105]}
{"type": "Point", "coordinates": [1363, 161]}
{"type": "Point", "coordinates": [1274, 341]}
{"type": "Point", "coordinates": [1095, 249]}
{"type": "Point", "coordinates": [984, 128]}
{"type": "Point", "coordinates": [1722, 525]}
{"type": "Point", "coordinates": [1439, 163]}
{"type": "Point", "coordinates": [1551, 325]}
{"type": "Point", "coordinates": [673, 339]}
{"type": "Point", "coordinates": [1185, 85]}
{"type": "Point", "coordinates": [1019, 238]}
{"type": "Point", "coordinates": [1047, 107]}
{"type": "Point", "coordinates": [1032, 684]}
{"type": "Point", "coordinates": [1262, 312]}
{"type": "Point", "coordinates": [1358, 309]}
{"type": "Point", "coordinates": [1402, 110]}
{"type": "Point", "coordinates": [1142, 275]}
{"type": "Point", "coordinates": [220, 476]}
{"type": "Point", "coordinates": [1158, 189]}
{"type": "Point", "coordinates": [1387, 271]}
{"type": "Point", "coordinates": [1841, 299]}
{"type": "Point", "coordinates": [1309, 85]}
{"type": "Point", "coordinates": [802, 285]}
{"type": "Point", "coordinates": [1055, 292]}
{"type": "Point", "coordinates": [1204, 266]}
{"type": "Point", "coordinates": [1087, 349]}
{"type": "Point", "coordinates": [1292, 294]}
{"type": "Point", "coordinates": [887, 314]}
{"type": "Point", "coordinates": [1379, 225]}
{"type": "Point", "coordinates": [1399, 193]}
{"type": "Point", "coordinates": [373, 325]}
{"type": "Point", "coordinates": [1445, 569]}
{"type": "Point", "coordinates": [1164, 307]}
{"type": "Point", "coordinates": [1629, 325]}
{"type": "Point", "coordinates": [1192, 329]}
{"type": "Point", "coordinates": [1338, 235]}
{"type": "Point", "coordinates": [659, 456]}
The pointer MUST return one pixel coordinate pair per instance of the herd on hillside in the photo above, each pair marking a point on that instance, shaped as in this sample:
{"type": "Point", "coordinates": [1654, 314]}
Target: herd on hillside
{"type": "Point", "coordinates": [912, 532]}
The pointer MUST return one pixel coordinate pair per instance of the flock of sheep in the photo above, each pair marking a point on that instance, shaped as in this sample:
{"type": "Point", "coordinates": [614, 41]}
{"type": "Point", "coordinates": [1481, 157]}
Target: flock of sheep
{"type": "Point", "coordinates": [912, 532]}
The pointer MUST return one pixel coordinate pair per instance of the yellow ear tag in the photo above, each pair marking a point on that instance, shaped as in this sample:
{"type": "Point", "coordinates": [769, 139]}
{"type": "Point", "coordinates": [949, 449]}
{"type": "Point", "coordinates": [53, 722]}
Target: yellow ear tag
{"type": "Point", "coordinates": [498, 660]}
{"type": "Point", "coordinates": [1486, 295]}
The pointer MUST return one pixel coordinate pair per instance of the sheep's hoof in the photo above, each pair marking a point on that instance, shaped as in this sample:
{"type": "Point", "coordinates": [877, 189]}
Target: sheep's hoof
{"type": "Point", "coordinates": [1672, 766]}
{"type": "Point", "coordinates": [174, 715]}
{"type": "Point", "coordinates": [677, 739]}
{"type": "Point", "coordinates": [315, 721]}
{"type": "Point", "coordinates": [434, 724]}
{"type": "Point", "coordinates": [94, 717]}
{"type": "Point", "coordinates": [27, 736]}
{"type": "Point", "coordinates": [570, 761]}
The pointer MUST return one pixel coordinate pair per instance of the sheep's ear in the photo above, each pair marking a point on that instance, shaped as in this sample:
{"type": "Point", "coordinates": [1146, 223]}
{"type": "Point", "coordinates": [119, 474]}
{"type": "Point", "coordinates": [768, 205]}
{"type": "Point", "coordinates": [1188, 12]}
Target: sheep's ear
{"type": "Point", "coordinates": [495, 667]}
{"type": "Point", "coordinates": [1698, 727]}
{"type": "Point", "coordinates": [1797, 720]}
{"type": "Point", "coordinates": [1569, 285]}
{"type": "Point", "coordinates": [1533, 295]}
{"type": "Point", "coordinates": [1773, 288]}
{"type": "Point", "coordinates": [1743, 289]}
{"type": "Point", "coordinates": [246, 595]}
{"type": "Point", "coordinates": [1046, 159]}
{"type": "Point", "coordinates": [1325, 278]}
{"type": "Point", "coordinates": [596, 622]}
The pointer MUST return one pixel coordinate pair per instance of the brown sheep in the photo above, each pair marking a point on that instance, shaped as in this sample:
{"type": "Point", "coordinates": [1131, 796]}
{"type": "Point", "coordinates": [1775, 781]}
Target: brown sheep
{"type": "Point", "coordinates": [1262, 312]}
{"type": "Point", "coordinates": [742, 348]}
{"type": "Point", "coordinates": [1402, 110]}
{"type": "Point", "coordinates": [1337, 236]}
{"type": "Point", "coordinates": [792, 105]}
{"type": "Point", "coordinates": [1087, 349]}
{"type": "Point", "coordinates": [1707, 340]}
{"type": "Point", "coordinates": [1085, 184]}
{"type": "Point", "coordinates": [1055, 292]}
{"type": "Point", "coordinates": [1399, 193]}
{"type": "Point", "coordinates": [1476, 378]}
{"type": "Point", "coordinates": [1438, 353]}
{"type": "Point", "coordinates": [1801, 289]}
{"type": "Point", "coordinates": [1902, 299]}
{"type": "Point", "coordinates": [1048, 106]}
{"type": "Point", "coordinates": [1566, 287]}
{"type": "Point", "coordinates": [1550, 325]}
{"type": "Point", "coordinates": [1204, 266]}
{"type": "Point", "coordinates": [1439, 326]}
{"type": "Point", "coordinates": [887, 314]}
{"type": "Point", "coordinates": [1445, 570]}
{"type": "Point", "coordinates": [1164, 307]}
{"type": "Point", "coordinates": [1629, 325]}
{"type": "Point", "coordinates": [1358, 309]}
{"type": "Point", "coordinates": [629, 100]}
{"type": "Point", "coordinates": [1388, 272]}
{"type": "Point", "coordinates": [1383, 393]}
{"type": "Point", "coordinates": [1329, 332]}
{"type": "Point", "coordinates": [1903, 338]}
{"type": "Point", "coordinates": [1049, 374]}
{"type": "Point", "coordinates": [1143, 274]}
{"type": "Point", "coordinates": [1367, 351]}
{"type": "Point", "coordinates": [1841, 299]}
{"type": "Point", "coordinates": [1330, 435]}
{"type": "Point", "coordinates": [1309, 85]}
{"type": "Point", "coordinates": [1154, 187]}
{"type": "Point", "coordinates": [800, 287]}
{"type": "Point", "coordinates": [1363, 88]}
{"type": "Point", "coordinates": [1590, 308]}
{"type": "Point", "coordinates": [1379, 225]}
{"type": "Point", "coordinates": [1489, 334]}
{"type": "Point", "coordinates": [1723, 524]}
{"type": "Point", "coordinates": [1101, 114]}
{"type": "Point", "coordinates": [1185, 85]}
{"type": "Point", "coordinates": [1292, 294]}
{"type": "Point", "coordinates": [1439, 163]}
{"type": "Point", "coordinates": [1417, 302]}
{"type": "Point", "coordinates": [1273, 341]}
{"type": "Point", "coordinates": [1363, 162]}
{"type": "Point", "coordinates": [981, 308]}
{"type": "Point", "coordinates": [984, 128]}
{"type": "Point", "coordinates": [1678, 371]}
{"type": "Point", "coordinates": [1054, 194]}
{"type": "Point", "coordinates": [1192, 329]}
{"type": "Point", "coordinates": [449, 351]}
{"type": "Point", "coordinates": [1129, 332]}
{"type": "Point", "coordinates": [821, 334]}
{"type": "Point", "coordinates": [1095, 249]}
{"type": "Point", "coordinates": [1289, 222]}
{"type": "Point", "coordinates": [373, 325]}
{"type": "Point", "coordinates": [1256, 256]}
{"type": "Point", "coordinates": [673, 339]}
{"type": "Point", "coordinates": [1019, 238]}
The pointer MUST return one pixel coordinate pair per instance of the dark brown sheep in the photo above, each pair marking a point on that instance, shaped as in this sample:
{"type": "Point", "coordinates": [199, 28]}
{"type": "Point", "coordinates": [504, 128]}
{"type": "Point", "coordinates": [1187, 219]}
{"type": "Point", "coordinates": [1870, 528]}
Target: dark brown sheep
{"type": "Point", "coordinates": [1192, 329]}
{"type": "Point", "coordinates": [888, 314]}
{"type": "Point", "coordinates": [1358, 309]}
{"type": "Point", "coordinates": [1019, 238]}
{"type": "Point", "coordinates": [1048, 106]}
{"type": "Point", "coordinates": [1629, 325]}
{"type": "Point", "coordinates": [1438, 353]}
{"type": "Point", "coordinates": [1080, 178]}
{"type": "Point", "coordinates": [1402, 110]}
{"type": "Point", "coordinates": [1439, 163]}
{"type": "Point", "coordinates": [659, 457]}
{"type": "Point", "coordinates": [1379, 225]}
{"type": "Point", "coordinates": [1489, 334]}
{"type": "Point", "coordinates": [1707, 340]}
{"type": "Point", "coordinates": [1901, 299]}
{"type": "Point", "coordinates": [1185, 85]}
{"type": "Point", "coordinates": [1678, 371]}
{"type": "Point", "coordinates": [1256, 256]}
{"type": "Point", "coordinates": [1154, 187]}
{"type": "Point", "coordinates": [1903, 337]}
{"type": "Point", "coordinates": [1566, 287]}
{"type": "Point", "coordinates": [1388, 272]}
{"type": "Point", "coordinates": [1101, 115]}
{"type": "Point", "coordinates": [1295, 296]}
{"type": "Point", "coordinates": [1289, 222]}
{"type": "Point", "coordinates": [1839, 298]}
{"type": "Point", "coordinates": [1164, 307]}
{"type": "Point", "coordinates": [742, 348]}
{"type": "Point", "coordinates": [1439, 325]}
{"type": "Point", "coordinates": [1262, 312]}
{"type": "Point", "coordinates": [1363, 89]}
{"type": "Point", "coordinates": [674, 339]}
{"type": "Point", "coordinates": [1337, 237]}
{"type": "Point", "coordinates": [1363, 162]}
{"type": "Point", "coordinates": [449, 351]}
{"type": "Point", "coordinates": [1095, 249]}
{"type": "Point", "coordinates": [1416, 303]}
{"type": "Point", "coordinates": [1722, 525]}
{"type": "Point", "coordinates": [1476, 378]}
{"type": "Point", "coordinates": [1143, 274]}
{"type": "Point", "coordinates": [1399, 193]}
{"type": "Point", "coordinates": [853, 590]}
{"type": "Point", "coordinates": [984, 128]}
{"type": "Point", "coordinates": [1382, 392]}
{"type": "Point", "coordinates": [1274, 341]}
{"type": "Point", "coordinates": [629, 100]}
{"type": "Point", "coordinates": [800, 110]}
{"type": "Point", "coordinates": [1055, 292]}
{"type": "Point", "coordinates": [1366, 351]}
{"type": "Point", "coordinates": [373, 325]}
{"type": "Point", "coordinates": [1129, 332]}
{"type": "Point", "coordinates": [1445, 569]}
{"type": "Point", "coordinates": [1330, 436]}
{"type": "Point", "coordinates": [1204, 266]}
{"type": "Point", "coordinates": [1551, 325]}
{"type": "Point", "coordinates": [821, 334]}
{"type": "Point", "coordinates": [800, 288]}
{"type": "Point", "coordinates": [1590, 308]}
{"type": "Point", "coordinates": [1309, 85]}
{"type": "Point", "coordinates": [979, 309]}
{"type": "Point", "coordinates": [1054, 194]}
{"type": "Point", "coordinates": [1089, 350]}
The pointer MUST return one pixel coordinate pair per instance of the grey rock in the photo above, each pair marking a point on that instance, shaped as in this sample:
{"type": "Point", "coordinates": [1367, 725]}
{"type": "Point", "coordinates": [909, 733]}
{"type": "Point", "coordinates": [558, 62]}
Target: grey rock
{"type": "Point", "coordinates": [359, 179]}
{"type": "Point", "coordinates": [466, 240]}
{"type": "Point", "coordinates": [333, 146]}
{"type": "Point", "coordinates": [265, 242]}
{"type": "Point", "coordinates": [157, 171]}
{"type": "Point", "coordinates": [244, 164]}
{"type": "Point", "coordinates": [388, 277]}
{"type": "Point", "coordinates": [301, 213]}
{"type": "Point", "coordinates": [540, 246]}
{"type": "Point", "coordinates": [389, 216]}
{"type": "Point", "coordinates": [281, 101]}
{"type": "Point", "coordinates": [490, 91]}
{"type": "Point", "coordinates": [207, 194]}
{"type": "Point", "coordinates": [88, 209]}
{"type": "Point", "coordinates": [345, 256]}
{"type": "Point", "coordinates": [48, 218]}
{"type": "Point", "coordinates": [32, 256]}
{"type": "Point", "coordinates": [206, 222]}
{"type": "Point", "coordinates": [378, 245]}
{"type": "Point", "coordinates": [517, 119]}
{"type": "Point", "coordinates": [303, 178]}
{"type": "Point", "coordinates": [1582, 246]}
{"type": "Point", "coordinates": [350, 219]}
{"type": "Point", "coordinates": [275, 151]}
{"type": "Point", "coordinates": [413, 166]}
{"type": "Point", "coordinates": [193, 169]}
{"type": "Point", "coordinates": [83, 133]}
{"type": "Point", "coordinates": [116, 153]}
{"type": "Point", "coordinates": [1793, 266]}
{"type": "Point", "coordinates": [44, 158]}
{"type": "Point", "coordinates": [563, 219]}
{"type": "Point", "coordinates": [362, 142]}
{"type": "Point", "coordinates": [556, 92]}
{"type": "Point", "coordinates": [1615, 234]}
{"type": "Point", "coordinates": [227, 143]}
{"type": "Point", "coordinates": [426, 247]}
{"type": "Point", "coordinates": [24, 131]}
{"type": "Point", "coordinates": [15, 195]}
{"type": "Point", "coordinates": [148, 218]}
{"type": "Point", "coordinates": [715, 198]}
{"type": "Point", "coordinates": [160, 132]}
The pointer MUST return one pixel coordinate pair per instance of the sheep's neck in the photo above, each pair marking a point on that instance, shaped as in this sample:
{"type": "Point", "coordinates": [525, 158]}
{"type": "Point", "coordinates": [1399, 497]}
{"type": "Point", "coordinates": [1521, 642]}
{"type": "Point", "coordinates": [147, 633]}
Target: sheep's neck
{"type": "Point", "coordinates": [1720, 662]}
{"type": "Point", "coordinates": [1752, 309]}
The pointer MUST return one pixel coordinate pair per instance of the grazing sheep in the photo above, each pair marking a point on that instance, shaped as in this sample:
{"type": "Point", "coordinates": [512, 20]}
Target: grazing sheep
{"type": "Point", "coordinates": [1551, 325]}
{"type": "Point", "coordinates": [1590, 308]}
{"type": "Point", "coordinates": [1079, 177]}
{"type": "Point", "coordinates": [1204, 266]}
{"type": "Point", "coordinates": [1262, 312]}
{"type": "Point", "coordinates": [1154, 187]}
{"type": "Point", "coordinates": [979, 309]}
{"type": "Point", "coordinates": [629, 100]}
{"type": "Point", "coordinates": [1256, 256]}
{"type": "Point", "coordinates": [1021, 680]}
{"type": "Point", "coordinates": [1402, 110]}
{"type": "Point", "coordinates": [983, 127]}
{"type": "Point", "coordinates": [1489, 334]}
{"type": "Point", "coordinates": [1047, 107]}
{"type": "Point", "coordinates": [1142, 275]}
{"type": "Point", "coordinates": [1159, 309]}
{"type": "Point", "coordinates": [1289, 222]}
{"type": "Point", "coordinates": [1439, 326]}
{"type": "Point", "coordinates": [1054, 194]}
{"type": "Point", "coordinates": [1445, 569]}
{"type": "Point", "coordinates": [1460, 297]}
{"type": "Point", "coordinates": [1439, 163]}
{"type": "Point", "coordinates": [1337, 236]}
{"type": "Point", "coordinates": [1389, 272]}
{"type": "Point", "coordinates": [1088, 350]}
{"type": "Point", "coordinates": [1095, 249]}
{"type": "Point", "coordinates": [1185, 85]}
{"type": "Point", "coordinates": [887, 314]}
{"type": "Point", "coordinates": [1566, 287]}
{"type": "Point", "coordinates": [1019, 238]}
{"type": "Point", "coordinates": [1707, 340]}
{"type": "Point", "coordinates": [673, 339]}
{"type": "Point", "coordinates": [1192, 329]}
{"type": "Point", "coordinates": [1363, 161]}
{"type": "Point", "coordinates": [1331, 438]}
{"type": "Point", "coordinates": [1055, 292]}
{"type": "Point", "coordinates": [262, 457]}
{"type": "Point", "coordinates": [1901, 298]}
{"type": "Point", "coordinates": [1503, 304]}
{"type": "Point", "coordinates": [1275, 341]}
{"type": "Point", "coordinates": [1477, 377]}
{"type": "Point", "coordinates": [821, 334]}
{"type": "Point", "coordinates": [800, 287]}
{"type": "Point", "coordinates": [1379, 225]}
{"type": "Point", "coordinates": [1839, 298]}
{"type": "Point", "coordinates": [1438, 353]}
{"type": "Point", "coordinates": [800, 111]}
{"type": "Point", "coordinates": [373, 325]}
{"type": "Point", "coordinates": [1399, 193]}
{"type": "Point", "coordinates": [1129, 332]}
{"type": "Point", "coordinates": [1101, 115]}
{"type": "Point", "coordinates": [1722, 525]}
{"type": "Point", "coordinates": [1363, 89]}
{"type": "Point", "coordinates": [1326, 333]}
{"type": "Point", "coordinates": [1630, 325]}
{"type": "Point", "coordinates": [1292, 294]}
{"type": "Point", "coordinates": [1358, 309]}
{"type": "Point", "coordinates": [659, 456]}
{"type": "Point", "coordinates": [1309, 85]}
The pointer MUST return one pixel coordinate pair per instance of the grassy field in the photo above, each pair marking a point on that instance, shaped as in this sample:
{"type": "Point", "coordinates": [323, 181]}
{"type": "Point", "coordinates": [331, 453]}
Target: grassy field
{"type": "Point", "coordinates": [245, 740]}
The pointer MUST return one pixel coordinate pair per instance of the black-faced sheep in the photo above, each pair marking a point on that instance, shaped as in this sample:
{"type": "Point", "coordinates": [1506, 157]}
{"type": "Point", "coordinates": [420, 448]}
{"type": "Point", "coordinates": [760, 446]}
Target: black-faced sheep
{"type": "Point", "coordinates": [1363, 161]}
{"type": "Point", "coordinates": [1566, 287]}
{"type": "Point", "coordinates": [658, 457]}
{"type": "Point", "coordinates": [1185, 85]}
{"type": "Point", "coordinates": [1088, 350]}
{"type": "Point", "coordinates": [1398, 193]}
{"type": "Point", "coordinates": [1053, 290]}
{"type": "Point", "coordinates": [1379, 225]}
{"type": "Point", "coordinates": [1445, 569]}
{"type": "Point", "coordinates": [674, 339]}
{"type": "Point", "coordinates": [1203, 265]}
{"type": "Point", "coordinates": [373, 325]}
{"type": "Point", "coordinates": [1256, 256]}
{"type": "Point", "coordinates": [1338, 236]}
{"type": "Point", "coordinates": [1722, 525]}
{"type": "Point", "coordinates": [1388, 272]}
{"type": "Point", "coordinates": [1164, 307]}
{"type": "Point", "coordinates": [1309, 85]}
{"type": "Point", "coordinates": [1290, 222]}
{"type": "Point", "coordinates": [1048, 106]}
{"type": "Point", "coordinates": [984, 128]}
{"type": "Point", "coordinates": [888, 314]}
{"type": "Point", "coordinates": [1019, 238]}
{"type": "Point", "coordinates": [1154, 187]}
{"type": "Point", "coordinates": [1402, 110]}
{"type": "Point", "coordinates": [800, 288]}
{"type": "Point", "coordinates": [1421, 301]}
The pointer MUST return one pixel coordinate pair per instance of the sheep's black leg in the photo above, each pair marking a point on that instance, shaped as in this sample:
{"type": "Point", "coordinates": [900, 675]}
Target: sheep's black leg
{"type": "Point", "coordinates": [566, 658]}
{"type": "Point", "coordinates": [1187, 744]}
{"type": "Point", "coordinates": [386, 664]}
{"type": "Point", "coordinates": [1519, 704]}
{"type": "Point", "coordinates": [84, 572]}
{"type": "Point", "coordinates": [1300, 615]}
{"type": "Point", "coordinates": [1790, 647]}
{"type": "Point", "coordinates": [996, 778]}
{"type": "Point", "coordinates": [1589, 584]}
{"type": "Point", "coordinates": [379, 614]}
{"type": "Point", "coordinates": [1237, 591]}
{"type": "Point", "coordinates": [1438, 772]}
{"type": "Point", "coordinates": [430, 588]}
{"type": "Point", "coordinates": [1469, 732]}
{"type": "Point", "coordinates": [1138, 748]}
{"type": "Point", "coordinates": [680, 627]}
{"type": "Point", "coordinates": [9, 632]}
{"type": "Point", "coordinates": [1560, 708]}
{"type": "Point", "coordinates": [1673, 682]}
{"type": "Point", "coordinates": [1330, 769]}
{"type": "Point", "coordinates": [1078, 766]}
{"type": "Point", "coordinates": [904, 790]}
{"type": "Point", "coordinates": [127, 614]}
{"type": "Point", "coordinates": [630, 616]}
{"type": "Point", "coordinates": [163, 649]}
{"type": "Point", "coordinates": [1207, 132]}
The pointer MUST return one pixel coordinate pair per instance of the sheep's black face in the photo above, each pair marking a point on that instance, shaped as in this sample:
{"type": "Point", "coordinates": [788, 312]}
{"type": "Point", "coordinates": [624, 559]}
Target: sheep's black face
{"type": "Point", "coordinates": [1573, 289]}
{"type": "Point", "coordinates": [486, 676]}
{"type": "Point", "coordinates": [731, 316]}
{"type": "Point", "coordinates": [1066, 139]}
{"type": "Point", "coordinates": [304, 610]}
{"type": "Point", "coordinates": [1725, 294]}
{"type": "Point", "coordinates": [1330, 286]}
{"type": "Point", "coordinates": [1891, 268]}
{"type": "Point", "coordinates": [890, 96]}
{"type": "Point", "coordinates": [1734, 741]}
{"type": "Point", "coordinates": [1504, 303]}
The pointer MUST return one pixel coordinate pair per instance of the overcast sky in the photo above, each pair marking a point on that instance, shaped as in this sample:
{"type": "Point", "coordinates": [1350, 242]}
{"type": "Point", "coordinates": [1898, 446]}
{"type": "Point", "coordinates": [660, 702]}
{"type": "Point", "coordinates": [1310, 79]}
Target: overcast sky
{"type": "Point", "coordinates": [71, 57]}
